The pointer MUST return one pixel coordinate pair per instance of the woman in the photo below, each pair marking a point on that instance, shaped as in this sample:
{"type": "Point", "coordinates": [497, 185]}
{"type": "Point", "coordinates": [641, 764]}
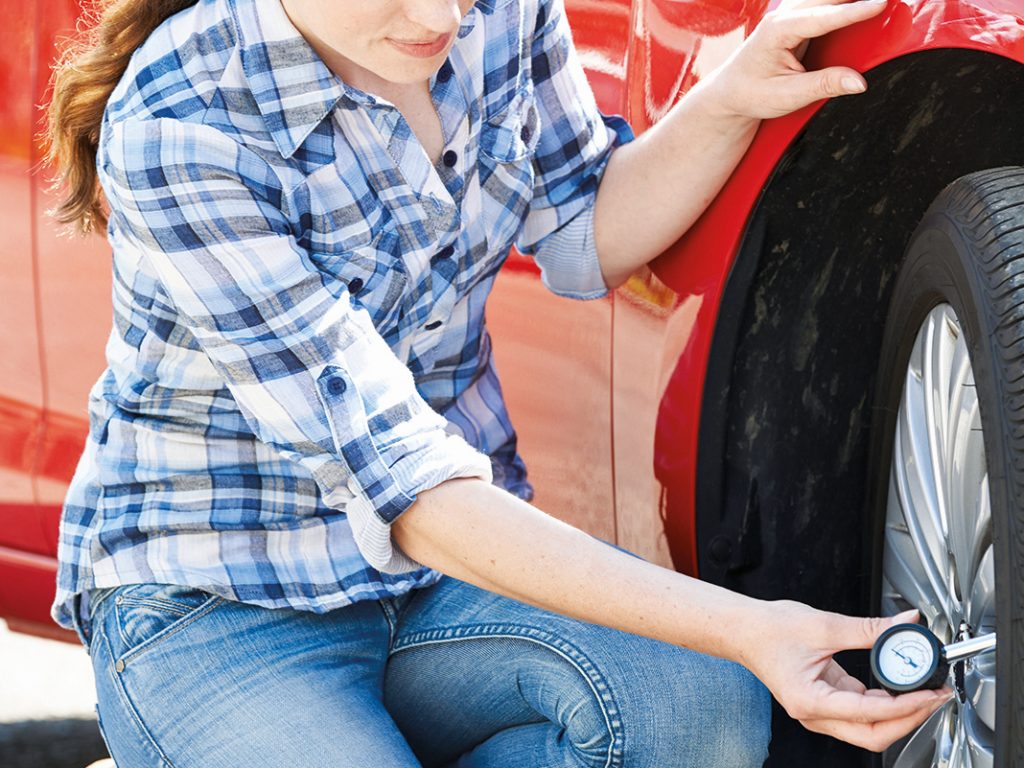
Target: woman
{"type": "Point", "coordinates": [300, 428]}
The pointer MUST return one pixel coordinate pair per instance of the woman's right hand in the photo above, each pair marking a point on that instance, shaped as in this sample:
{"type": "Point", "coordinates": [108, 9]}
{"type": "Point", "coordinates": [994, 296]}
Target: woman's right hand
{"type": "Point", "coordinates": [791, 650]}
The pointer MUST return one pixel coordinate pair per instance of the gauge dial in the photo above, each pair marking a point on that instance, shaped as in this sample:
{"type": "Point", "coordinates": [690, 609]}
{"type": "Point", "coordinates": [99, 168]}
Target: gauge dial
{"type": "Point", "coordinates": [907, 657]}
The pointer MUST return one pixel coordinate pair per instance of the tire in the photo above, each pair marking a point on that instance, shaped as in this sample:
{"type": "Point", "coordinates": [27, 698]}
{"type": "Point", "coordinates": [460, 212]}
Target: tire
{"type": "Point", "coordinates": [947, 485]}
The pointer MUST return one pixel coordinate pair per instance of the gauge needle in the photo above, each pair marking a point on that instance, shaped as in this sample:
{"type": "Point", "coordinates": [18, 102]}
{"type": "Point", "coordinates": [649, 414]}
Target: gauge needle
{"type": "Point", "coordinates": [905, 658]}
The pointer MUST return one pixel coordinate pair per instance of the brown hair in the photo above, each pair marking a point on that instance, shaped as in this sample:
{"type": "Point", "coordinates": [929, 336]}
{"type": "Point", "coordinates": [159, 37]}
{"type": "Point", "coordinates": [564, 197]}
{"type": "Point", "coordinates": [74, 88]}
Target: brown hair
{"type": "Point", "coordinates": [83, 79]}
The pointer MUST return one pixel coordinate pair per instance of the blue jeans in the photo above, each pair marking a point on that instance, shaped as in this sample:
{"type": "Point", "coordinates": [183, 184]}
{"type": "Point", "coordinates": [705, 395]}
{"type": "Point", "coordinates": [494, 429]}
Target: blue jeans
{"type": "Point", "coordinates": [449, 675]}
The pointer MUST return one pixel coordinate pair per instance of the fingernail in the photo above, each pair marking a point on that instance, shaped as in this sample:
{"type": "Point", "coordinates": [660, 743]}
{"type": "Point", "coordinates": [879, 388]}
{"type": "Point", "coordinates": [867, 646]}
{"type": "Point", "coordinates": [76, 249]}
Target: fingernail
{"type": "Point", "coordinates": [853, 85]}
{"type": "Point", "coordinates": [907, 617]}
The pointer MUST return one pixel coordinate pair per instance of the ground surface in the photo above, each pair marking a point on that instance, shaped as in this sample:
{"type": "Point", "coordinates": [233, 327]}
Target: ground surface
{"type": "Point", "coordinates": [46, 704]}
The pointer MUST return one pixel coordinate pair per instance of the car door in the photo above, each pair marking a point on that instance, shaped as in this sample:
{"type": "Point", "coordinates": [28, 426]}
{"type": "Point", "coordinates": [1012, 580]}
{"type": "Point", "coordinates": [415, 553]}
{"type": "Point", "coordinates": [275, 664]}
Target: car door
{"type": "Point", "coordinates": [21, 390]}
{"type": "Point", "coordinates": [554, 354]}
{"type": "Point", "coordinates": [74, 305]}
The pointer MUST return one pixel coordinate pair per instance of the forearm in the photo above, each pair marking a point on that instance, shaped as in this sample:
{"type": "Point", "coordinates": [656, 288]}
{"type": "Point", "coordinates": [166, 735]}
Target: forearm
{"type": "Point", "coordinates": [656, 187]}
{"type": "Point", "coordinates": [482, 535]}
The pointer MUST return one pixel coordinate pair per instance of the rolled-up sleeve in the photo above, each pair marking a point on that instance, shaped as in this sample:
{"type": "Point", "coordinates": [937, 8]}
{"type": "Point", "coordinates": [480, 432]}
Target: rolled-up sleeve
{"type": "Point", "coordinates": [576, 141]}
{"type": "Point", "coordinates": [309, 372]}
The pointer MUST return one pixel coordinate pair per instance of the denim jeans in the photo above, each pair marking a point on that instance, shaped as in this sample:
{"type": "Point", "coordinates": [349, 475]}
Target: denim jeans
{"type": "Point", "coordinates": [448, 675]}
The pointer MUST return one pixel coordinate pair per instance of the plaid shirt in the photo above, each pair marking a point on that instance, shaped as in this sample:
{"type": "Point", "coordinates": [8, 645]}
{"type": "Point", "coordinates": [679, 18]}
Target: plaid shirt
{"type": "Point", "coordinates": [299, 345]}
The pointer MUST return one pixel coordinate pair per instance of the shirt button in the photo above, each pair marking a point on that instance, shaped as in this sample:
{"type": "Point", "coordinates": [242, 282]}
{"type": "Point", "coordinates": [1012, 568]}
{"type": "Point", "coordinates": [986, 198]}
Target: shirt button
{"type": "Point", "coordinates": [450, 158]}
{"type": "Point", "coordinates": [433, 326]}
{"type": "Point", "coordinates": [444, 74]}
{"type": "Point", "coordinates": [445, 253]}
{"type": "Point", "coordinates": [524, 133]}
{"type": "Point", "coordinates": [119, 665]}
{"type": "Point", "coordinates": [355, 285]}
{"type": "Point", "coordinates": [336, 386]}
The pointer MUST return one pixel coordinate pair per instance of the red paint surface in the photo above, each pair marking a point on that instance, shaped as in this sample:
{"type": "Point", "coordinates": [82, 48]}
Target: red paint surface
{"type": "Point", "coordinates": [21, 386]}
{"type": "Point", "coordinates": [27, 588]}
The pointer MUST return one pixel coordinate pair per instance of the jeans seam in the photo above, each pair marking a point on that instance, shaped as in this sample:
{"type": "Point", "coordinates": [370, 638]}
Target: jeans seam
{"type": "Point", "coordinates": [163, 605]}
{"type": "Point", "coordinates": [115, 678]}
{"type": "Point", "coordinates": [387, 610]}
{"type": "Point", "coordinates": [103, 594]}
{"type": "Point", "coordinates": [588, 670]}
{"type": "Point", "coordinates": [171, 629]}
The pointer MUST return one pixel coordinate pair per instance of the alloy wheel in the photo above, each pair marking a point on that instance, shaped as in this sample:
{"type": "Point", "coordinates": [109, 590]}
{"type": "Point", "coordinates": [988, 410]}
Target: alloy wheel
{"type": "Point", "coordinates": [938, 555]}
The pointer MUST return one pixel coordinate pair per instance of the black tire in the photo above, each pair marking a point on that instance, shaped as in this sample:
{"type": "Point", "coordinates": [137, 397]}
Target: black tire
{"type": "Point", "coordinates": [968, 252]}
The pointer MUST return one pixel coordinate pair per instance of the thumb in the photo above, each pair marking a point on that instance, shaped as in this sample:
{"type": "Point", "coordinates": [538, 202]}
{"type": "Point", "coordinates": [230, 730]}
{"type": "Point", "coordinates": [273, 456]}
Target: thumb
{"type": "Point", "coordinates": [828, 83]}
{"type": "Point", "coordinates": [913, 616]}
{"type": "Point", "coordinates": [839, 81]}
{"type": "Point", "coordinates": [853, 632]}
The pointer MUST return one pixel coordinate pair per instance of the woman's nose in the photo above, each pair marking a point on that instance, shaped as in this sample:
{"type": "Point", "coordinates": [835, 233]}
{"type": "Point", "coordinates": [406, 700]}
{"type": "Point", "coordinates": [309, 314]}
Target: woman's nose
{"type": "Point", "coordinates": [436, 16]}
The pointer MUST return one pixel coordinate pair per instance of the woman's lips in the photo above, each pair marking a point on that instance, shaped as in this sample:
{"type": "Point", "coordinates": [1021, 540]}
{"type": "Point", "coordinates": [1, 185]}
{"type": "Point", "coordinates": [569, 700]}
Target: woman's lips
{"type": "Point", "coordinates": [422, 50]}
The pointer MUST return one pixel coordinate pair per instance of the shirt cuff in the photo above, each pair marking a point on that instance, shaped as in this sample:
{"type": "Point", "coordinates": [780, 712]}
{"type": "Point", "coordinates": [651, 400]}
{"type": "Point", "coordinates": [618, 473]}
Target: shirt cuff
{"type": "Point", "coordinates": [385, 461]}
{"type": "Point", "coordinates": [372, 532]}
{"type": "Point", "coordinates": [568, 259]}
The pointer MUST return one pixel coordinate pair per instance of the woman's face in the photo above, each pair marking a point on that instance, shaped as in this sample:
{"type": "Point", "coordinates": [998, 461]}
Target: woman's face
{"type": "Point", "coordinates": [367, 41]}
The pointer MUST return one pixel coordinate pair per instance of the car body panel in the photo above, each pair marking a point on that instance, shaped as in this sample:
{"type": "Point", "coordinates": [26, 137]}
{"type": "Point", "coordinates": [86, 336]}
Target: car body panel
{"type": "Point", "coordinates": [74, 304]}
{"type": "Point", "coordinates": [21, 384]}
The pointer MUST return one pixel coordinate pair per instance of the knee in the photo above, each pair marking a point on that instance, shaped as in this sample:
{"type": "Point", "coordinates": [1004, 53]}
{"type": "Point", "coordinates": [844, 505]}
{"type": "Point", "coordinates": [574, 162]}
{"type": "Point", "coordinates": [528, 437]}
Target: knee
{"type": "Point", "coordinates": [590, 733]}
{"type": "Point", "coordinates": [741, 724]}
{"type": "Point", "coordinates": [709, 712]}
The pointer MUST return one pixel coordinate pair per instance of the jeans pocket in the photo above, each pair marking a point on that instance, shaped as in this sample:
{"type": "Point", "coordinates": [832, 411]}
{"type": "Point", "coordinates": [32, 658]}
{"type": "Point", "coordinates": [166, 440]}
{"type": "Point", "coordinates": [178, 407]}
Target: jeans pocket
{"type": "Point", "coordinates": [146, 613]}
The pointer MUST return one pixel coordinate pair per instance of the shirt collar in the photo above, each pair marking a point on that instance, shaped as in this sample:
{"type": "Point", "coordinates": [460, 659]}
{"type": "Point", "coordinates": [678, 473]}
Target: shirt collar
{"type": "Point", "coordinates": [292, 86]}
{"type": "Point", "coordinates": [489, 6]}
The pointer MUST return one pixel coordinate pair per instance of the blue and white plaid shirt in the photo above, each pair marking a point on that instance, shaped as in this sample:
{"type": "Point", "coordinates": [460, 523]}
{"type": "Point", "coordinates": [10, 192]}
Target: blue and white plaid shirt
{"type": "Point", "coordinates": [299, 345]}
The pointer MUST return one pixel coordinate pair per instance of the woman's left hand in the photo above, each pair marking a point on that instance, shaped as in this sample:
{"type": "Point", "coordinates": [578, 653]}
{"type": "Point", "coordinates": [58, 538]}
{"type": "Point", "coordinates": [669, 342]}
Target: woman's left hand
{"type": "Point", "coordinates": [705, 134]}
{"type": "Point", "coordinates": [764, 78]}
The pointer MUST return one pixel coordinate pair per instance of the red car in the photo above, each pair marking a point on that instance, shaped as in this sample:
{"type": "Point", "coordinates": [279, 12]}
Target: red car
{"type": "Point", "coordinates": [818, 393]}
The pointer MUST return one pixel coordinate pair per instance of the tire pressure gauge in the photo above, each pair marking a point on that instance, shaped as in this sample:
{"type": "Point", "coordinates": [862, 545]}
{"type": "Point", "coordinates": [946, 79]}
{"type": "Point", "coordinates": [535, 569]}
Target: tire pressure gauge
{"type": "Point", "coordinates": [909, 657]}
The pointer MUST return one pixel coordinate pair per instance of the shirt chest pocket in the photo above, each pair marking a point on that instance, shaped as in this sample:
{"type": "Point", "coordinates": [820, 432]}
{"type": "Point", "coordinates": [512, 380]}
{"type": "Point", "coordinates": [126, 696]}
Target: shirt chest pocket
{"type": "Point", "coordinates": [374, 275]}
{"type": "Point", "coordinates": [508, 141]}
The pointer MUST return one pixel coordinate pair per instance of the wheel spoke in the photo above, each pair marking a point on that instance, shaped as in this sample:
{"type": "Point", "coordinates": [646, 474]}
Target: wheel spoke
{"type": "Point", "coordinates": [918, 514]}
{"type": "Point", "coordinates": [905, 573]}
{"type": "Point", "coordinates": [935, 369]}
{"type": "Point", "coordinates": [981, 603]}
{"type": "Point", "coordinates": [920, 440]}
{"type": "Point", "coordinates": [977, 739]}
{"type": "Point", "coordinates": [944, 737]}
{"type": "Point", "coordinates": [965, 477]}
{"type": "Point", "coordinates": [956, 750]}
{"type": "Point", "coordinates": [921, 748]}
{"type": "Point", "coordinates": [980, 682]}
{"type": "Point", "coordinates": [913, 430]}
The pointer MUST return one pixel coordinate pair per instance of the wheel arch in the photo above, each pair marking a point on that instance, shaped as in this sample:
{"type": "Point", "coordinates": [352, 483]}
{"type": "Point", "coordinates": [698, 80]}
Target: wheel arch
{"type": "Point", "coordinates": [788, 393]}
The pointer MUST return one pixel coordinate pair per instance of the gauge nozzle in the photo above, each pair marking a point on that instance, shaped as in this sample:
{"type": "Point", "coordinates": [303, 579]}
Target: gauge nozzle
{"type": "Point", "coordinates": [971, 647]}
